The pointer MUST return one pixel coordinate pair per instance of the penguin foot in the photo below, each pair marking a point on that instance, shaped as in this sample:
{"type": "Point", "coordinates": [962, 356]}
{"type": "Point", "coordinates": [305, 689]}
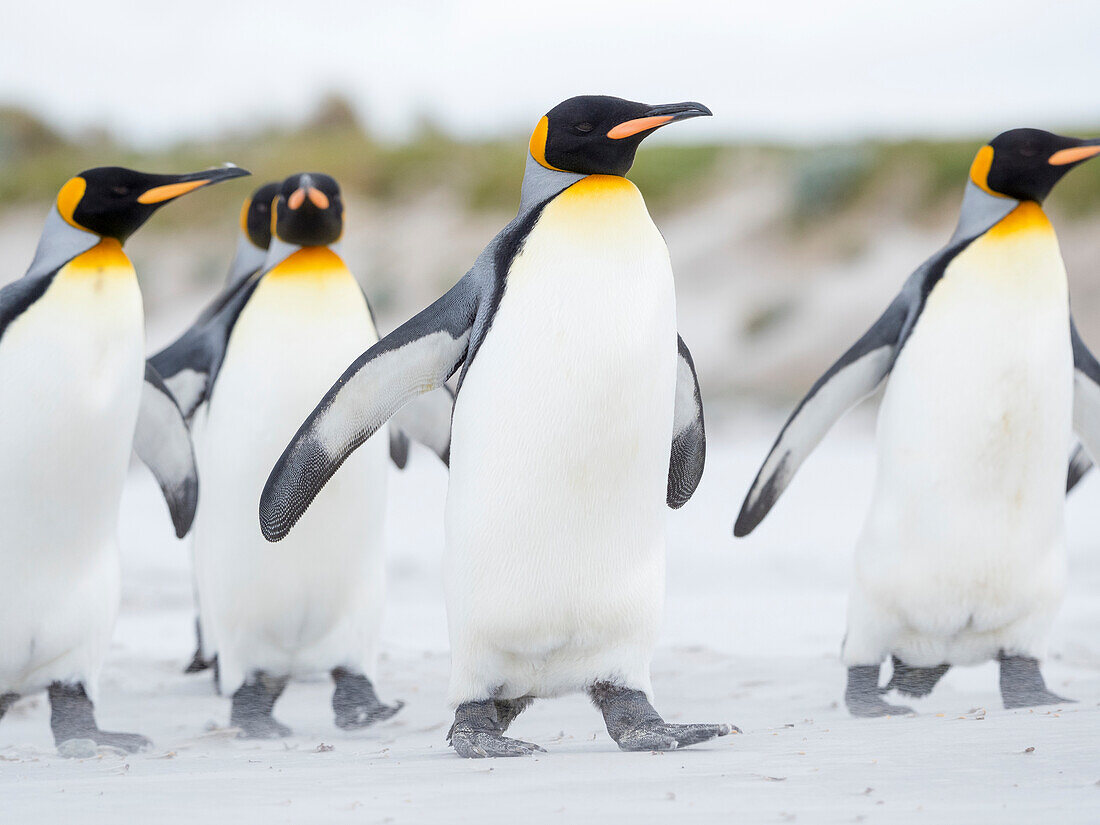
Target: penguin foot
{"type": "Point", "coordinates": [198, 663]}
{"type": "Point", "coordinates": [636, 726]}
{"type": "Point", "coordinates": [863, 695]}
{"type": "Point", "coordinates": [479, 744]}
{"type": "Point", "coordinates": [6, 701]}
{"type": "Point", "coordinates": [914, 681]}
{"type": "Point", "coordinates": [253, 704]}
{"type": "Point", "coordinates": [1022, 684]}
{"type": "Point", "coordinates": [663, 736]}
{"type": "Point", "coordinates": [72, 716]}
{"type": "Point", "coordinates": [355, 702]}
{"type": "Point", "coordinates": [478, 729]}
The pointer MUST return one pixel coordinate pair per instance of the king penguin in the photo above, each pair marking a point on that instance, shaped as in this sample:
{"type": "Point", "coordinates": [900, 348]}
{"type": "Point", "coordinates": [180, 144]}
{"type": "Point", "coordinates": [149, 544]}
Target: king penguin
{"type": "Point", "coordinates": [72, 366]}
{"type": "Point", "coordinates": [577, 418]}
{"type": "Point", "coordinates": [259, 363]}
{"type": "Point", "coordinates": [253, 240]}
{"type": "Point", "coordinates": [962, 555]}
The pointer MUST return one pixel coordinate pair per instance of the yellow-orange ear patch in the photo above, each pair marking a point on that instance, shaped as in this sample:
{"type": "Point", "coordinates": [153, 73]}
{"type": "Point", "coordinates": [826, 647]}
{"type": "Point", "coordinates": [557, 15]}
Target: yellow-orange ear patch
{"type": "Point", "coordinates": [274, 216]}
{"type": "Point", "coordinates": [538, 144]}
{"type": "Point", "coordinates": [979, 170]}
{"type": "Point", "coordinates": [69, 197]}
{"type": "Point", "coordinates": [244, 214]}
{"type": "Point", "coordinates": [160, 194]}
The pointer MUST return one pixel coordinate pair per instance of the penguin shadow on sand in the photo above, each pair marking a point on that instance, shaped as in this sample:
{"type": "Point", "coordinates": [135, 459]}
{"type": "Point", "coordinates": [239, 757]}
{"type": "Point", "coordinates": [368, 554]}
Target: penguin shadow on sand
{"type": "Point", "coordinates": [962, 557]}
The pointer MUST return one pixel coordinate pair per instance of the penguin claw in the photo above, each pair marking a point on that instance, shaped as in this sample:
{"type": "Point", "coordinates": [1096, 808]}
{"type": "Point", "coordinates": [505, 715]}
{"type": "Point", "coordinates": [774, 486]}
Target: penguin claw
{"type": "Point", "coordinates": [1038, 698]}
{"type": "Point", "coordinates": [129, 742]}
{"type": "Point", "coordinates": [479, 744]}
{"type": "Point", "coordinates": [363, 717]}
{"type": "Point", "coordinates": [664, 736]}
{"type": "Point", "coordinates": [871, 708]}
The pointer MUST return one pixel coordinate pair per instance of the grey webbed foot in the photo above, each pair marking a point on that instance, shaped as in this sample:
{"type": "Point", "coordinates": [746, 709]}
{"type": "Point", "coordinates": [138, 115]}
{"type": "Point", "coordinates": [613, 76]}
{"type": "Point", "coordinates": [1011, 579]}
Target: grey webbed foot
{"type": "Point", "coordinates": [72, 716]}
{"type": "Point", "coordinates": [914, 681]}
{"type": "Point", "coordinates": [1022, 684]}
{"type": "Point", "coordinates": [355, 703]}
{"type": "Point", "coordinates": [636, 726]}
{"type": "Point", "coordinates": [478, 730]}
{"type": "Point", "coordinates": [864, 697]}
{"type": "Point", "coordinates": [253, 704]}
{"type": "Point", "coordinates": [6, 701]}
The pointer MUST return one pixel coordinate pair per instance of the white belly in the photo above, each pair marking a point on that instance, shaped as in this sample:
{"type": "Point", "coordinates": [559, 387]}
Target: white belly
{"type": "Point", "coordinates": [71, 370]}
{"type": "Point", "coordinates": [314, 600]}
{"type": "Point", "coordinates": [561, 438]}
{"type": "Point", "coordinates": [963, 546]}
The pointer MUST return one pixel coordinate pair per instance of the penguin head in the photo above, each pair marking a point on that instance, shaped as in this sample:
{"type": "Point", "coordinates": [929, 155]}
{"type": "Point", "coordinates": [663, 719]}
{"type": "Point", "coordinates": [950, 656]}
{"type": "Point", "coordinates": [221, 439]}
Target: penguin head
{"type": "Point", "coordinates": [114, 202]}
{"type": "Point", "coordinates": [1024, 164]}
{"type": "Point", "coordinates": [256, 215]}
{"type": "Point", "coordinates": [309, 210]}
{"type": "Point", "coordinates": [598, 135]}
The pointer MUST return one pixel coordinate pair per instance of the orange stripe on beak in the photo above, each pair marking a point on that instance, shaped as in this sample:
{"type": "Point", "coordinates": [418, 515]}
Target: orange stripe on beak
{"type": "Point", "coordinates": [296, 199]}
{"type": "Point", "coordinates": [641, 124]}
{"type": "Point", "coordinates": [160, 194]}
{"type": "Point", "coordinates": [1064, 156]}
{"type": "Point", "coordinates": [318, 198]}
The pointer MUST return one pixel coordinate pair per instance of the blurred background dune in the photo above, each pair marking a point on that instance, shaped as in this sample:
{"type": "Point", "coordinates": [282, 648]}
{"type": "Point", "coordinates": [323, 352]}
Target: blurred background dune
{"type": "Point", "coordinates": [834, 165]}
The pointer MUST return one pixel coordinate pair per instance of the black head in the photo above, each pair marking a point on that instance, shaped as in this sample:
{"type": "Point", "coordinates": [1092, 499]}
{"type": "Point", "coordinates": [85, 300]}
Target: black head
{"type": "Point", "coordinates": [256, 214]}
{"type": "Point", "coordinates": [309, 210]}
{"type": "Point", "coordinates": [114, 202]}
{"type": "Point", "coordinates": [1026, 163]}
{"type": "Point", "coordinates": [598, 135]}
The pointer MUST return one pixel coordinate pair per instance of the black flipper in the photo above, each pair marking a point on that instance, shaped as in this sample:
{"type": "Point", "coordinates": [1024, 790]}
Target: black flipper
{"type": "Point", "coordinates": [162, 441]}
{"type": "Point", "coordinates": [855, 376]}
{"type": "Point", "coordinates": [1086, 408]}
{"type": "Point", "coordinates": [689, 437]}
{"type": "Point", "coordinates": [17, 297]}
{"type": "Point", "coordinates": [414, 359]}
{"type": "Point", "coordinates": [190, 364]}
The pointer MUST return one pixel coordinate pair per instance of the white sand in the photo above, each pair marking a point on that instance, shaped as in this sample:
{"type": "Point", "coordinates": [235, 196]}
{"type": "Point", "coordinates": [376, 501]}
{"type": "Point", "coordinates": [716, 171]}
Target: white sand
{"type": "Point", "coordinates": [752, 633]}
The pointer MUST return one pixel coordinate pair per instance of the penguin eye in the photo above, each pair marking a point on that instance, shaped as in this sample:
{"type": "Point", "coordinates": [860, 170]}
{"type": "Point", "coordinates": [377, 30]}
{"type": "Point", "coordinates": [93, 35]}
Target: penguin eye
{"type": "Point", "coordinates": [1028, 150]}
{"type": "Point", "coordinates": [121, 191]}
{"type": "Point", "coordinates": [583, 127]}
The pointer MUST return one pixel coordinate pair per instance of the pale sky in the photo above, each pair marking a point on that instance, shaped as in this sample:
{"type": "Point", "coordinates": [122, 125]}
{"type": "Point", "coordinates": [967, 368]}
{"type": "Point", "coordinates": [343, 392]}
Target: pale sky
{"type": "Point", "coordinates": [798, 70]}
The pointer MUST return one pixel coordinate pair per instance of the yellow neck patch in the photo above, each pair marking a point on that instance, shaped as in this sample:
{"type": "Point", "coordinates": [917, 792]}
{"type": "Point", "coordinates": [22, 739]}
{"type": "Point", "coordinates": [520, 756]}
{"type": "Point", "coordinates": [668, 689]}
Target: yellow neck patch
{"type": "Point", "coordinates": [1027, 217]}
{"type": "Point", "coordinates": [105, 258]}
{"type": "Point", "coordinates": [309, 262]}
{"type": "Point", "coordinates": [69, 197]}
{"type": "Point", "coordinates": [979, 170]}
{"type": "Point", "coordinates": [244, 215]}
{"type": "Point", "coordinates": [538, 144]}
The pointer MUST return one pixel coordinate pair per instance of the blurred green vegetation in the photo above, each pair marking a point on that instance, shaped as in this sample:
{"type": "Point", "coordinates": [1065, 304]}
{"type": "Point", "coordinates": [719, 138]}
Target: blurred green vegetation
{"type": "Point", "coordinates": [35, 160]}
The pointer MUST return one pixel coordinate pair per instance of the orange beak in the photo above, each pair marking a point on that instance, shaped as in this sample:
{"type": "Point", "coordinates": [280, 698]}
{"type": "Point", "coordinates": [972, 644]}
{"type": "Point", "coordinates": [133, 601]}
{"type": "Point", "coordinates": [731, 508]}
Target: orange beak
{"type": "Point", "coordinates": [1073, 155]}
{"type": "Point", "coordinates": [316, 197]}
{"type": "Point", "coordinates": [658, 116]}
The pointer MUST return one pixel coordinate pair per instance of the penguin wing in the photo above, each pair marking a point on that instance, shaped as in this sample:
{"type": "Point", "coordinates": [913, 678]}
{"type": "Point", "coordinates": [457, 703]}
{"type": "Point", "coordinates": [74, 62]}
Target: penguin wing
{"type": "Point", "coordinates": [689, 438]}
{"type": "Point", "coordinates": [414, 359]}
{"type": "Point", "coordinates": [162, 441]}
{"type": "Point", "coordinates": [1079, 464]}
{"type": "Point", "coordinates": [17, 297]}
{"type": "Point", "coordinates": [190, 364]}
{"type": "Point", "coordinates": [1086, 405]}
{"type": "Point", "coordinates": [427, 420]}
{"type": "Point", "coordinates": [855, 376]}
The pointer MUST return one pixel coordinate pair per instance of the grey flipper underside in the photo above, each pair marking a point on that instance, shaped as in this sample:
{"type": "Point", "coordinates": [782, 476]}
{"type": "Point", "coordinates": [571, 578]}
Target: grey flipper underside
{"type": "Point", "coordinates": [190, 364]}
{"type": "Point", "coordinates": [162, 441]}
{"type": "Point", "coordinates": [689, 438]}
{"type": "Point", "coordinates": [416, 358]}
{"type": "Point", "coordinates": [856, 375]}
{"type": "Point", "coordinates": [864, 366]}
{"type": "Point", "coordinates": [1086, 407]}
